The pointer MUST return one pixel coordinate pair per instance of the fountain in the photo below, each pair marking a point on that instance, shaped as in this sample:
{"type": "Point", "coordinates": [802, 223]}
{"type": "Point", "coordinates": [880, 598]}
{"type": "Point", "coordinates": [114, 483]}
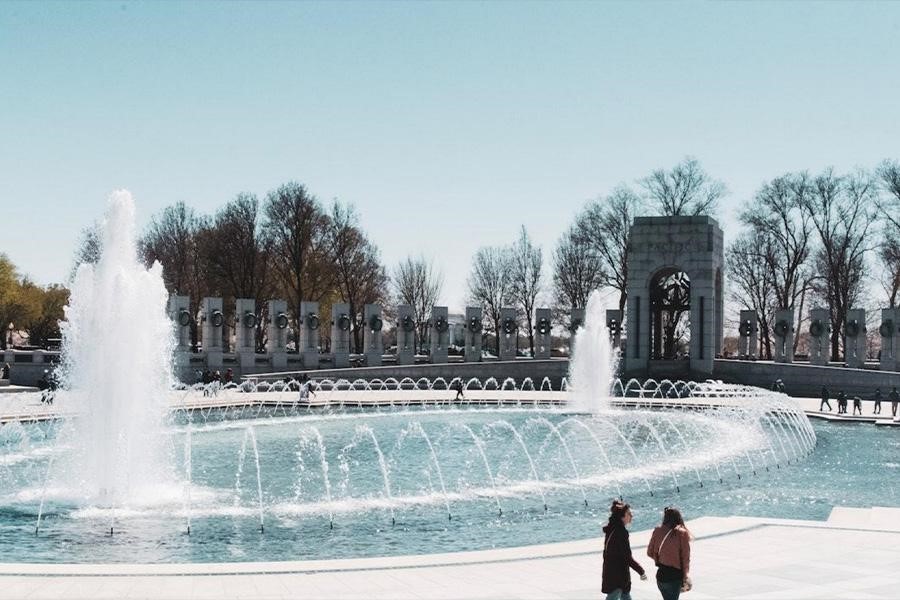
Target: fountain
{"type": "Point", "coordinates": [373, 467]}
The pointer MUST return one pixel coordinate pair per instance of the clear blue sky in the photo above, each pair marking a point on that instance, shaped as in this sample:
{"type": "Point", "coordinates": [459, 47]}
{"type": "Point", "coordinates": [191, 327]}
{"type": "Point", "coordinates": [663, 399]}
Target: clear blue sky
{"type": "Point", "coordinates": [447, 124]}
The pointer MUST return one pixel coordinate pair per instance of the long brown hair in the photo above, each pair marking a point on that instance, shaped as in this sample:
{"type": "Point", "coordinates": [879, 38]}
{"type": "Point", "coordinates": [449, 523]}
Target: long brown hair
{"type": "Point", "coordinates": [617, 510]}
{"type": "Point", "coordinates": [673, 520]}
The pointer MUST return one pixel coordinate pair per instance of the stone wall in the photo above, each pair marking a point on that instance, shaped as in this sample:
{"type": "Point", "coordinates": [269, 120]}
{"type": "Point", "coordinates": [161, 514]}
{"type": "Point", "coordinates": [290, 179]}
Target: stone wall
{"type": "Point", "coordinates": [807, 380]}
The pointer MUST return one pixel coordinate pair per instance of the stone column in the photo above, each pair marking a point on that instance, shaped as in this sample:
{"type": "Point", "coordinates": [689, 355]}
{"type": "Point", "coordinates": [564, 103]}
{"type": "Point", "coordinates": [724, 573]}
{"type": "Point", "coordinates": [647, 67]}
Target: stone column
{"type": "Point", "coordinates": [245, 320]}
{"type": "Point", "coordinates": [212, 320]}
{"type": "Point", "coordinates": [614, 326]}
{"type": "Point", "coordinates": [855, 338]}
{"type": "Point", "coordinates": [748, 343]}
{"type": "Point", "coordinates": [406, 335]}
{"type": "Point", "coordinates": [784, 335]}
{"type": "Point", "coordinates": [509, 332]}
{"type": "Point", "coordinates": [819, 336]}
{"type": "Point", "coordinates": [309, 334]}
{"type": "Point", "coordinates": [341, 320]}
{"type": "Point", "coordinates": [703, 324]}
{"type": "Point", "coordinates": [179, 312]}
{"type": "Point", "coordinates": [439, 334]}
{"type": "Point", "coordinates": [542, 333]}
{"type": "Point", "coordinates": [576, 320]}
{"type": "Point", "coordinates": [276, 334]}
{"type": "Point", "coordinates": [888, 331]}
{"type": "Point", "coordinates": [374, 345]}
{"type": "Point", "coordinates": [474, 327]}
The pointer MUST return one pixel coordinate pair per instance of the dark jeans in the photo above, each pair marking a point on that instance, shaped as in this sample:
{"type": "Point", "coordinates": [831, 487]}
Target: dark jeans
{"type": "Point", "coordinates": [670, 590]}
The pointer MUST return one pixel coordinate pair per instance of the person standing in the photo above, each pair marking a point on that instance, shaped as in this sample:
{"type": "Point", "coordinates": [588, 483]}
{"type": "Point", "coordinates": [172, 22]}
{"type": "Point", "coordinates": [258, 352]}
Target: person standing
{"type": "Point", "coordinates": [670, 549]}
{"type": "Point", "coordinates": [824, 401]}
{"type": "Point", "coordinates": [877, 398]}
{"type": "Point", "coordinates": [857, 405]}
{"type": "Point", "coordinates": [895, 398]}
{"type": "Point", "coordinates": [617, 558]}
{"type": "Point", "coordinates": [842, 402]}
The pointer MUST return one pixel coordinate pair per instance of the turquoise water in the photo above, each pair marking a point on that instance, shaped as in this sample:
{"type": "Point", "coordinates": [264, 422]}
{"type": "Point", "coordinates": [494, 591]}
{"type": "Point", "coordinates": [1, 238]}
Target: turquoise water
{"type": "Point", "coordinates": [476, 486]}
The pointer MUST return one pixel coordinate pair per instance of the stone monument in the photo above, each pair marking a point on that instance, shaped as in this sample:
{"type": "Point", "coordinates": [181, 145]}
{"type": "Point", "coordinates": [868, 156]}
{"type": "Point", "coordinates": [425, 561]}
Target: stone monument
{"type": "Point", "coordinates": [406, 335]}
{"type": "Point", "coordinates": [179, 312]}
{"type": "Point", "coordinates": [340, 334]}
{"type": "Point", "coordinates": [784, 335]}
{"type": "Point", "coordinates": [819, 336]}
{"type": "Point", "coordinates": [276, 334]}
{"type": "Point", "coordinates": [212, 320]}
{"type": "Point", "coordinates": [309, 334]}
{"type": "Point", "coordinates": [674, 272]}
{"type": "Point", "coordinates": [374, 345]}
{"type": "Point", "coordinates": [542, 333]}
{"type": "Point", "coordinates": [474, 328]}
{"type": "Point", "coordinates": [576, 320]}
{"type": "Point", "coordinates": [245, 321]}
{"type": "Point", "coordinates": [890, 339]}
{"type": "Point", "coordinates": [614, 326]}
{"type": "Point", "coordinates": [439, 334]}
{"type": "Point", "coordinates": [508, 334]}
{"type": "Point", "coordinates": [748, 342]}
{"type": "Point", "coordinates": [855, 338]}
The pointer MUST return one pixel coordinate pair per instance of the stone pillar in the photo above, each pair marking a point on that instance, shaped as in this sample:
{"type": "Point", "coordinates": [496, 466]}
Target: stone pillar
{"type": "Point", "coordinates": [819, 336]}
{"type": "Point", "coordinates": [614, 326]}
{"type": "Point", "coordinates": [474, 327]}
{"type": "Point", "coordinates": [542, 333]}
{"type": "Point", "coordinates": [373, 342]}
{"type": "Point", "coordinates": [704, 325]}
{"type": "Point", "coordinates": [309, 334]}
{"type": "Point", "coordinates": [245, 320]}
{"type": "Point", "coordinates": [439, 334]}
{"type": "Point", "coordinates": [890, 339]}
{"type": "Point", "coordinates": [748, 343]}
{"type": "Point", "coordinates": [341, 320]}
{"type": "Point", "coordinates": [276, 334]}
{"type": "Point", "coordinates": [855, 338]}
{"type": "Point", "coordinates": [784, 335]}
{"type": "Point", "coordinates": [179, 312]}
{"type": "Point", "coordinates": [406, 335]}
{"type": "Point", "coordinates": [212, 320]}
{"type": "Point", "coordinates": [509, 333]}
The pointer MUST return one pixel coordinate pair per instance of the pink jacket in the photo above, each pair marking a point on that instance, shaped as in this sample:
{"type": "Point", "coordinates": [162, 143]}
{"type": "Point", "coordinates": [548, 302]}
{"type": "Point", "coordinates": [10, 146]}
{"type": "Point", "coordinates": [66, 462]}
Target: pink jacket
{"type": "Point", "coordinates": [671, 547]}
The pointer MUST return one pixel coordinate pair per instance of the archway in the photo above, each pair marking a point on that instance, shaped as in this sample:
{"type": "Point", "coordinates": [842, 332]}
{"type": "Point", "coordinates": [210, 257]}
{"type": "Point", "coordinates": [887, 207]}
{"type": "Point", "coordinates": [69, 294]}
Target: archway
{"type": "Point", "coordinates": [670, 310]}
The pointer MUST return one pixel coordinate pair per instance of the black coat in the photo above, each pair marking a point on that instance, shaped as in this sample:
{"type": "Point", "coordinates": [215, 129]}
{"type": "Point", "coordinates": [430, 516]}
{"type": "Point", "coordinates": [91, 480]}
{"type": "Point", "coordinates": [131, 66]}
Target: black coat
{"type": "Point", "coordinates": [617, 558]}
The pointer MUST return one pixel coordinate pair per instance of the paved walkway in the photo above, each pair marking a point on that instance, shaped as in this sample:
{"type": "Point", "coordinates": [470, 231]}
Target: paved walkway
{"type": "Point", "coordinates": [856, 554]}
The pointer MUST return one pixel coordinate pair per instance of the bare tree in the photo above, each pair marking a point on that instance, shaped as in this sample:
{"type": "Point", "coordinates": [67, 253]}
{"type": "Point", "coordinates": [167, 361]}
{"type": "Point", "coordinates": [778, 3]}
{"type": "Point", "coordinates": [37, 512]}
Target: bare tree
{"type": "Point", "coordinates": [842, 212]}
{"type": "Point", "coordinates": [527, 262]}
{"type": "Point", "coordinates": [783, 231]}
{"type": "Point", "coordinates": [236, 256]}
{"type": "Point", "coordinates": [418, 283]}
{"type": "Point", "coordinates": [889, 254]}
{"type": "Point", "coordinates": [358, 272]}
{"type": "Point", "coordinates": [602, 230]}
{"type": "Point", "coordinates": [88, 249]}
{"type": "Point", "coordinates": [576, 272]}
{"type": "Point", "coordinates": [490, 285]}
{"type": "Point", "coordinates": [296, 229]}
{"type": "Point", "coordinates": [750, 280]}
{"type": "Point", "coordinates": [685, 190]}
{"type": "Point", "coordinates": [888, 173]}
{"type": "Point", "coordinates": [171, 239]}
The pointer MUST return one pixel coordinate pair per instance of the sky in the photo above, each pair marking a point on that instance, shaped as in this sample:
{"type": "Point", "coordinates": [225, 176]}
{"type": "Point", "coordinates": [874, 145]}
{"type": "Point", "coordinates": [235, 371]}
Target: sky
{"type": "Point", "coordinates": [448, 125]}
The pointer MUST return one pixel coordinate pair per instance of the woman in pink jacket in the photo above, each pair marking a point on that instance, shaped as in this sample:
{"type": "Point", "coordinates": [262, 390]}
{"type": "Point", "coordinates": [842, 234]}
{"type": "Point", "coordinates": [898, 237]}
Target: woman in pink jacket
{"type": "Point", "coordinates": [670, 548]}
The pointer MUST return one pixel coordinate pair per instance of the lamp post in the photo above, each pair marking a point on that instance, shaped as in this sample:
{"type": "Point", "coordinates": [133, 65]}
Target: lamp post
{"type": "Point", "coordinates": [9, 337]}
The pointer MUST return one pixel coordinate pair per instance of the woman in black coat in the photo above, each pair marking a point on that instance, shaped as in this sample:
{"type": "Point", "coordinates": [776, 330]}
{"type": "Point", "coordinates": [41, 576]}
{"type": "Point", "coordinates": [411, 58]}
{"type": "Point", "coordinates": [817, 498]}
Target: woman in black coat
{"type": "Point", "coordinates": [617, 557]}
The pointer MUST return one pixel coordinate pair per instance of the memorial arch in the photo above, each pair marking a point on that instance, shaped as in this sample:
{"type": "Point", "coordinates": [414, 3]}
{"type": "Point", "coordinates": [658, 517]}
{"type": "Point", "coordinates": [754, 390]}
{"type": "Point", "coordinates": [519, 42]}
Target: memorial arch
{"type": "Point", "coordinates": [675, 295]}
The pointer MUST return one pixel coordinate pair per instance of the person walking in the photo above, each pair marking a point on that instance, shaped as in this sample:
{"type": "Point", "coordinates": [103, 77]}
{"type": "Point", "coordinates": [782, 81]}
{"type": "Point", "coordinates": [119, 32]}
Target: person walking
{"type": "Point", "coordinates": [857, 405]}
{"type": "Point", "coordinates": [617, 558]}
{"type": "Point", "coordinates": [877, 398]}
{"type": "Point", "coordinates": [895, 398]}
{"type": "Point", "coordinates": [842, 402]}
{"type": "Point", "coordinates": [459, 391]}
{"type": "Point", "coordinates": [670, 549]}
{"type": "Point", "coordinates": [824, 401]}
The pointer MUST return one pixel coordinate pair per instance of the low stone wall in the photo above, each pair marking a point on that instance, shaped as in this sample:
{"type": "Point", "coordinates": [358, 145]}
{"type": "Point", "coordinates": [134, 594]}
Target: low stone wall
{"type": "Point", "coordinates": [807, 380]}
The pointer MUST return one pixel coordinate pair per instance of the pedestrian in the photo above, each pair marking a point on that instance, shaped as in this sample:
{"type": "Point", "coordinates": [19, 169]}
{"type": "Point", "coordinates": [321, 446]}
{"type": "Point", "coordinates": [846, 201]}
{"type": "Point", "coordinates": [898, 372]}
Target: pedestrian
{"type": "Point", "coordinates": [305, 388]}
{"type": "Point", "coordinates": [670, 549]}
{"type": "Point", "coordinates": [459, 390]}
{"type": "Point", "coordinates": [617, 559]}
{"type": "Point", "coordinates": [842, 402]}
{"type": "Point", "coordinates": [857, 405]}
{"type": "Point", "coordinates": [877, 398]}
{"type": "Point", "coordinates": [824, 401]}
{"type": "Point", "coordinates": [229, 376]}
{"type": "Point", "coordinates": [895, 398]}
